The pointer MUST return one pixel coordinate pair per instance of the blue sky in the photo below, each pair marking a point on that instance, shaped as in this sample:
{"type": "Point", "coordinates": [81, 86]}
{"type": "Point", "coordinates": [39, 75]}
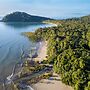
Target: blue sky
{"type": "Point", "coordinates": [49, 8]}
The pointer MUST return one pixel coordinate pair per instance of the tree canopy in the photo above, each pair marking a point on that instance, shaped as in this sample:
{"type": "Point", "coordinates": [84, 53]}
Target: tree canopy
{"type": "Point", "coordinates": [69, 50]}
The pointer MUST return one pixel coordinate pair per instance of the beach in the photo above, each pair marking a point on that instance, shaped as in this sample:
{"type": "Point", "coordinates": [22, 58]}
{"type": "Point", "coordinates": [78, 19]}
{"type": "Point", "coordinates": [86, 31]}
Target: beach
{"type": "Point", "coordinates": [53, 82]}
{"type": "Point", "coordinates": [46, 84]}
{"type": "Point", "coordinates": [42, 51]}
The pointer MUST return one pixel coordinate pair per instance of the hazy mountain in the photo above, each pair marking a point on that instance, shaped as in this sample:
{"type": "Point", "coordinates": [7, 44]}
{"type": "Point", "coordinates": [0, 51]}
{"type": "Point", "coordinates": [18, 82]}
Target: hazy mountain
{"type": "Point", "coordinates": [23, 17]}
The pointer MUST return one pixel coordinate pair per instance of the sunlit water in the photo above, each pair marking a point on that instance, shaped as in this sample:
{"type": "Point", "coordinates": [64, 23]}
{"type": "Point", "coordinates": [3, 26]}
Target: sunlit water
{"type": "Point", "coordinates": [12, 42]}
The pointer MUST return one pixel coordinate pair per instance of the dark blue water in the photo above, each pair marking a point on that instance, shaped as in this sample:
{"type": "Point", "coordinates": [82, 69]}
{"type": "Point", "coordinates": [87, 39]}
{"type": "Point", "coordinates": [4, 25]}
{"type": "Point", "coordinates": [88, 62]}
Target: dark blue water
{"type": "Point", "coordinates": [12, 42]}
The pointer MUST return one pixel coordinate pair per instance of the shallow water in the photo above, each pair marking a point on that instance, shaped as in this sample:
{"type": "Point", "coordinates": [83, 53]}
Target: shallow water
{"type": "Point", "coordinates": [12, 43]}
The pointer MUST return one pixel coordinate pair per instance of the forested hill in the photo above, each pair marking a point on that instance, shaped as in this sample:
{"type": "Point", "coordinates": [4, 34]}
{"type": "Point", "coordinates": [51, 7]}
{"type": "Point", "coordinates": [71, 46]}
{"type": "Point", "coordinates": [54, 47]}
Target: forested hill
{"type": "Point", "coordinates": [23, 17]}
{"type": "Point", "coordinates": [69, 50]}
{"type": "Point", "coordinates": [80, 19]}
{"type": "Point", "coordinates": [84, 19]}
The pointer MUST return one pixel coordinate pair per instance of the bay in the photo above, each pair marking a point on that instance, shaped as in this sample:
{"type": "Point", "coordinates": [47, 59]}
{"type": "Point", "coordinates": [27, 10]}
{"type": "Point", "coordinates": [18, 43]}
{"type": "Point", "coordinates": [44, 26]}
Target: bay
{"type": "Point", "coordinates": [12, 42]}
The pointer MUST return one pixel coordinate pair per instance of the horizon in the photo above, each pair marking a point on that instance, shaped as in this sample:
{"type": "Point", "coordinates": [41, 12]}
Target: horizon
{"type": "Point", "coordinates": [53, 8]}
{"type": "Point", "coordinates": [58, 18]}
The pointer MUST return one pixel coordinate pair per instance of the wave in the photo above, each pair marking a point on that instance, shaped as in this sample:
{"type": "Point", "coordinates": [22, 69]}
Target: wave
{"type": "Point", "coordinates": [5, 44]}
{"type": "Point", "coordinates": [7, 52]}
{"type": "Point", "coordinates": [30, 87]}
{"type": "Point", "coordinates": [10, 77]}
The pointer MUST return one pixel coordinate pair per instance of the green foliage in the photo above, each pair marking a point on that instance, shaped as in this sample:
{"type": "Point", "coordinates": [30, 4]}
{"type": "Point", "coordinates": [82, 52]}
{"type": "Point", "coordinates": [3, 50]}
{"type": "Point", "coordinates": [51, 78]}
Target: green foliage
{"type": "Point", "coordinates": [69, 50]}
{"type": "Point", "coordinates": [32, 36]}
{"type": "Point", "coordinates": [88, 86]}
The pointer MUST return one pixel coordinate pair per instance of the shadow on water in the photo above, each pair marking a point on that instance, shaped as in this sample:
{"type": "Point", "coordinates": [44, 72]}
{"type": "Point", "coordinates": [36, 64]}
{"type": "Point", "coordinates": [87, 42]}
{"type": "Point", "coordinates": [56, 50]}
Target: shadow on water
{"type": "Point", "coordinates": [21, 24]}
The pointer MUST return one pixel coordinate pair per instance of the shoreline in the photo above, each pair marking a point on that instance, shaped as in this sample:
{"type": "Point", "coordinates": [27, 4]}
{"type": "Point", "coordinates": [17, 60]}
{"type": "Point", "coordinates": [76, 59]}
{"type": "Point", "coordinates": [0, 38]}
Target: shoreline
{"type": "Point", "coordinates": [46, 84]}
{"type": "Point", "coordinates": [42, 51]}
{"type": "Point", "coordinates": [42, 46]}
{"type": "Point", "coordinates": [50, 23]}
{"type": "Point", "coordinates": [10, 76]}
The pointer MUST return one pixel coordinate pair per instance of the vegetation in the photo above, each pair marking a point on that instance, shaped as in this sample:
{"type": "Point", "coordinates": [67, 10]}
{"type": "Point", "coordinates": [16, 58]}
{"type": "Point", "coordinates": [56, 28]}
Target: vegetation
{"type": "Point", "coordinates": [23, 17]}
{"type": "Point", "coordinates": [32, 36]}
{"type": "Point", "coordinates": [30, 67]}
{"type": "Point", "coordinates": [32, 72]}
{"type": "Point", "coordinates": [40, 77]}
{"type": "Point", "coordinates": [69, 50]}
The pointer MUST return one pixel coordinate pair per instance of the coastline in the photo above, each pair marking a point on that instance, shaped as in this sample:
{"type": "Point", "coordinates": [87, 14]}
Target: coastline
{"type": "Point", "coordinates": [63, 54]}
{"type": "Point", "coordinates": [42, 51]}
{"type": "Point", "coordinates": [54, 24]}
{"type": "Point", "coordinates": [42, 47]}
{"type": "Point", "coordinates": [46, 84]}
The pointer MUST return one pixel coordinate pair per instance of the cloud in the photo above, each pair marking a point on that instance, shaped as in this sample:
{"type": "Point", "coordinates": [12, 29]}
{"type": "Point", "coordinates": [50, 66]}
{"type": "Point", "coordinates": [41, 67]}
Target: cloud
{"type": "Point", "coordinates": [48, 8]}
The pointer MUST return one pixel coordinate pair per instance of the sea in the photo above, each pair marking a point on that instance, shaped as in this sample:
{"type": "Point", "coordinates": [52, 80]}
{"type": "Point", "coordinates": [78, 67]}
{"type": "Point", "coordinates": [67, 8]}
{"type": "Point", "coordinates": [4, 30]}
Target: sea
{"type": "Point", "coordinates": [13, 43]}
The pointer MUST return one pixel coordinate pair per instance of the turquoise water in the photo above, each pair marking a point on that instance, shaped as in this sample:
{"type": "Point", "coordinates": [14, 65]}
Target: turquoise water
{"type": "Point", "coordinates": [12, 43]}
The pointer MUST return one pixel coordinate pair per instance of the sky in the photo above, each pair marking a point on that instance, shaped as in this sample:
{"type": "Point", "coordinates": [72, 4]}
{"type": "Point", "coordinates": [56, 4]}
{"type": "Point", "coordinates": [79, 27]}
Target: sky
{"type": "Point", "coordinates": [48, 8]}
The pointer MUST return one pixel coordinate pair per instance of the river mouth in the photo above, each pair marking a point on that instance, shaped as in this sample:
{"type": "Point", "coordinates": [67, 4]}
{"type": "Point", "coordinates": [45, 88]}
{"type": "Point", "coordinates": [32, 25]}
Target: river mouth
{"type": "Point", "coordinates": [12, 43]}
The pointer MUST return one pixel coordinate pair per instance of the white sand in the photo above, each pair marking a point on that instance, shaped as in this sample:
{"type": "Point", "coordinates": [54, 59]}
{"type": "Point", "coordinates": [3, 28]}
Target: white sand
{"type": "Point", "coordinates": [51, 85]}
{"type": "Point", "coordinates": [42, 52]}
{"type": "Point", "coordinates": [48, 84]}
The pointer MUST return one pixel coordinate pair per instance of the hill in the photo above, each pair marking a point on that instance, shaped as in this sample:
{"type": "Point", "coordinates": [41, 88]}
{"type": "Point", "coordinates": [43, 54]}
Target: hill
{"type": "Point", "coordinates": [23, 17]}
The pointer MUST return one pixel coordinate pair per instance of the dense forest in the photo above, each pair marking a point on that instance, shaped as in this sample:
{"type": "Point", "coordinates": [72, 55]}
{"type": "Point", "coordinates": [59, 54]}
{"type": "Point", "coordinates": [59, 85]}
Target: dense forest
{"type": "Point", "coordinates": [68, 50]}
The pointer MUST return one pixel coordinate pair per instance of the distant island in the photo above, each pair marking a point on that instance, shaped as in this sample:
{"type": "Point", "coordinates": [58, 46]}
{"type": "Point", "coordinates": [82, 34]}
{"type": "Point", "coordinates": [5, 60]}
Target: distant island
{"type": "Point", "coordinates": [23, 17]}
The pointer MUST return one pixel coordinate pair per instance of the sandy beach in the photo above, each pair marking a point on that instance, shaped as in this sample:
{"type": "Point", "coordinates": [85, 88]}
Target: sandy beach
{"type": "Point", "coordinates": [46, 84]}
{"type": "Point", "coordinates": [51, 85]}
{"type": "Point", "coordinates": [42, 52]}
